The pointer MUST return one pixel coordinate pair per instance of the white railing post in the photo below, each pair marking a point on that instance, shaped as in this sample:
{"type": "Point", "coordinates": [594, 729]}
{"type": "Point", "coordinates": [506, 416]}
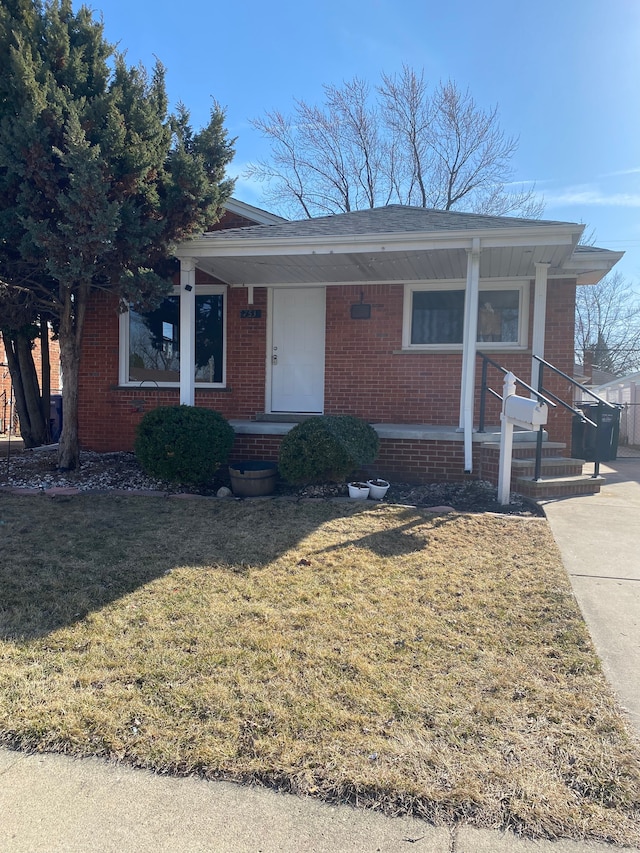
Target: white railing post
{"type": "Point", "coordinates": [539, 321]}
{"type": "Point", "coordinates": [470, 335]}
{"type": "Point", "coordinates": [187, 330]}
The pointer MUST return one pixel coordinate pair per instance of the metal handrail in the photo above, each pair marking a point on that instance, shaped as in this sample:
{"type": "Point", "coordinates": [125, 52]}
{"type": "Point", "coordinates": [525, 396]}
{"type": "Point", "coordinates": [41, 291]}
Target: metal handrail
{"type": "Point", "coordinates": [595, 396]}
{"type": "Point", "coordinates": [484, 388]}
{"type": "Point", "coordinates": [544, 395]}
{"type": "Point", "coordinates": [601, 403]}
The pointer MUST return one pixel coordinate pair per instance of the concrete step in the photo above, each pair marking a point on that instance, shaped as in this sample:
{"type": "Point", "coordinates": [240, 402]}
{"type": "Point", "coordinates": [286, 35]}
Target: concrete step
{"type": "Point", "coordinates": [552, 466]}
{"type": "Point", "coordinates": [558, 487]}
{"type": "Point", "coordinates": [526, 449]}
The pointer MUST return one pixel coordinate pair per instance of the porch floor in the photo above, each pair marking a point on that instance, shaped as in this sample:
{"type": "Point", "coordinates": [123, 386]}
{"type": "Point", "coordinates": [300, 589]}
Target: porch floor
{"type": "Point", "coordinates": [412, 432]}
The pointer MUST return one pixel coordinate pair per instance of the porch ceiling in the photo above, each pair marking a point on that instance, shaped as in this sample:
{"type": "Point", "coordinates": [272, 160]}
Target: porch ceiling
{"type": "Point", "coordinates": [382, 266]}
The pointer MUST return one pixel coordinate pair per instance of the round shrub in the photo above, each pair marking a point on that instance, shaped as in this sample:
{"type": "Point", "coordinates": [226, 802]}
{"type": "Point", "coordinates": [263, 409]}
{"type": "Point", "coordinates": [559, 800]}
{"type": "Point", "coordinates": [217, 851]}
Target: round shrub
{"type": "Point", "coordinates": [183, 444]}
{"type": "Point", "coordinates": [325, 448]}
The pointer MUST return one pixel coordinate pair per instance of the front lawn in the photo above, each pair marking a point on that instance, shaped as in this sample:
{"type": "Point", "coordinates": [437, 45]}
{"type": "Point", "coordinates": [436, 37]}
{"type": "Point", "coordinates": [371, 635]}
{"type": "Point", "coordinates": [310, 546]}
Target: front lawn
{"type": "Point", "coordinates": [379, 655]}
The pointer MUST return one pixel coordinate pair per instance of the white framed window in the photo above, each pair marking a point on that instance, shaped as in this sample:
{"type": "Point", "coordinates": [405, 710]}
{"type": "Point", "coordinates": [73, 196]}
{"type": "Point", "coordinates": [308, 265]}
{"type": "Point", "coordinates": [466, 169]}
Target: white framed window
{"type": "Point", "coordinates": [150, 341]}
{"type": "Point", "coordinates": [434, 315]}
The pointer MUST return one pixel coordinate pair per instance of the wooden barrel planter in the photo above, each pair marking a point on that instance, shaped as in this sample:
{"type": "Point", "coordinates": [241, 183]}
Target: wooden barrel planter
{"type": "Point", "coordinates": [253, 479]}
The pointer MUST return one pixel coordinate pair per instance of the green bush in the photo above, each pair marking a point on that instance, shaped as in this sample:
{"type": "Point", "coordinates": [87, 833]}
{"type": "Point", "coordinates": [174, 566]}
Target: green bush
{"type": "Point", "coordinates": [183, 444]}
{"type": "Point", "coordinates": [330, 447]}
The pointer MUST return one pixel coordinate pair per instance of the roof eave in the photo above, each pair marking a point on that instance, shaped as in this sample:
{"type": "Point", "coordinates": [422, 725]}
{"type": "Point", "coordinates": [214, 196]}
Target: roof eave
{"type": "Point", "coordinates": [255, 214]}
{"type": "Point", "coordinates": [538, 235]}
{"type": "Point", "coordinates": [593, 267]}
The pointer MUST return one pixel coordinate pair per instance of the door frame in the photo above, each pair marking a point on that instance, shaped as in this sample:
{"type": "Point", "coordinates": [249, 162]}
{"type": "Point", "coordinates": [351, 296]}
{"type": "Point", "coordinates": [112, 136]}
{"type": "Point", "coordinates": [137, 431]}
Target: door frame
{"type": "Point", "coordinates": [269, 352]}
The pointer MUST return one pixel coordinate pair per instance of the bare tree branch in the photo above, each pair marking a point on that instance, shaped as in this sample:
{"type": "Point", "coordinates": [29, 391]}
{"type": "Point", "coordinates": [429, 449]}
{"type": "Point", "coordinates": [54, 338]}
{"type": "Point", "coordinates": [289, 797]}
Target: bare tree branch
{"type": "Point", "coordinates": [608, 325]}
{"type": "Point", "coordinates": [400, 143]}
{"type": "Point", "coordinates": [407, 114]}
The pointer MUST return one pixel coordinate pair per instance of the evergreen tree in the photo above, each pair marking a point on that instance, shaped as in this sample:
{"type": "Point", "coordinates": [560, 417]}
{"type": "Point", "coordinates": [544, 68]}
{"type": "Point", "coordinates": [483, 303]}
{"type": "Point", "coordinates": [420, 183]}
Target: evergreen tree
{"type": "Point", "coordinates": [97, 180]}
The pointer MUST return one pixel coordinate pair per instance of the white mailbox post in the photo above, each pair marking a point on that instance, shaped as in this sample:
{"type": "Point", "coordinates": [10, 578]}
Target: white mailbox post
{"type": "Point", "coordinates": [516, 411]}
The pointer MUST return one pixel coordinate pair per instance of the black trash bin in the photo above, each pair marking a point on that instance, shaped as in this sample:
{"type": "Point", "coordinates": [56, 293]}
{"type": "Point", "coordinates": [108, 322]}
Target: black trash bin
{"type": "Point", "coordinates": [596, 443]}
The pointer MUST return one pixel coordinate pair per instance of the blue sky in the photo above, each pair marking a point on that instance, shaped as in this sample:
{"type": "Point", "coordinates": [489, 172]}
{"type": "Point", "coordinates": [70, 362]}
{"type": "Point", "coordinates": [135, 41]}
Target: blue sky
{"type": "Point", "coordinates": [564, 74]}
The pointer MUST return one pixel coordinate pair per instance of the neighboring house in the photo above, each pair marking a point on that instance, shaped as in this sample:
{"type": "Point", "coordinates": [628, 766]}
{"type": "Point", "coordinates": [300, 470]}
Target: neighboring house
{"type": "Point", "coordinates": [8, 413]}
{"type": "Point", "coordinates": [625, 391]}
{"type": "Point", "coordinates": [6, 396]}
{"type": "Point", "coordinates": [376, 313]}
{"type": "Point", "coordinates": [590, 378]}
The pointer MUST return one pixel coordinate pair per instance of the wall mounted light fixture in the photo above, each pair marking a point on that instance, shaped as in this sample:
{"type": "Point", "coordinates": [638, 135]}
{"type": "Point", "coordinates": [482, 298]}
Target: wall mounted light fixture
{"type": "Point", "coordinates": [360, 310]}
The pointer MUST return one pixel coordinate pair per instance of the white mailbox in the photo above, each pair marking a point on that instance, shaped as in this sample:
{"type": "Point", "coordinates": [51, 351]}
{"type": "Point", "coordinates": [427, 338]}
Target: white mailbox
{"type": "Point", "coordinates": [526, 413]}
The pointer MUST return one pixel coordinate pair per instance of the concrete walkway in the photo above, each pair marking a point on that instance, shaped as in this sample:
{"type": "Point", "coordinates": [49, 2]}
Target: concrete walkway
{"type": "Point", "coordinates": [55, 804]}
{"type": "Point", "coordinates": [599, 540]}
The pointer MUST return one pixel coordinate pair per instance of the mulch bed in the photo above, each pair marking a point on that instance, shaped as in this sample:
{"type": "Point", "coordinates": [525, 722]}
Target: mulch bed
{"type": "Point", "coordinates": [108, 471]}
{"type": "Point", "coordinates": [472, 496]}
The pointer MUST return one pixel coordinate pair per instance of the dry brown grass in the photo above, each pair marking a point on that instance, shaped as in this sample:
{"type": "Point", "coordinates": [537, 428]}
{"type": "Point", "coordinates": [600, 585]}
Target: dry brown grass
{"type": "Point", "coordinates": [378, 655]}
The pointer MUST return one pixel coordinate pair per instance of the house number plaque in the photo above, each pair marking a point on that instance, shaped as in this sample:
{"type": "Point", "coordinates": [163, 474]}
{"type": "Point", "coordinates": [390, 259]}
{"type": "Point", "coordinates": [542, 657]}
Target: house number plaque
{"type": "Point", "coordinates": [250, 313]}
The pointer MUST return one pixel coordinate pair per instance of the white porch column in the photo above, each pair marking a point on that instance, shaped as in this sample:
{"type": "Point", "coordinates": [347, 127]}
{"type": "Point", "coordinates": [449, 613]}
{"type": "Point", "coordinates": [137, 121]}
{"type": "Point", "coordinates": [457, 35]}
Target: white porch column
{"type": "Point", "coordinates": [469, 338]}
{"type": "Point", "coordinates": [539, 320]}
{"type": "Point", "coordinates": [187, 330]}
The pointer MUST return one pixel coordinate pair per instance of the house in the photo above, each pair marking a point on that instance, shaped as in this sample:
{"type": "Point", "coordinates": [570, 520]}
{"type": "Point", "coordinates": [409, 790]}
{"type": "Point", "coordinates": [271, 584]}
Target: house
{"type": "Point", "coordinates": [589, 375]}
{"type": "Point", "coordinates": [377, 313]}
{"type": "Point", "coordinates": [625, 392]}
{"type": "Point", "coordinates": [8, 414]}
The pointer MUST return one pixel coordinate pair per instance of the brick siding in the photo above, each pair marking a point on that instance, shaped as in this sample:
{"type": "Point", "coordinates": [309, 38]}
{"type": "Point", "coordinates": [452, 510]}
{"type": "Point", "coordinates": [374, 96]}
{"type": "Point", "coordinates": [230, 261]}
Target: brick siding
{"type": "Point", "coordinates": [365, 375]}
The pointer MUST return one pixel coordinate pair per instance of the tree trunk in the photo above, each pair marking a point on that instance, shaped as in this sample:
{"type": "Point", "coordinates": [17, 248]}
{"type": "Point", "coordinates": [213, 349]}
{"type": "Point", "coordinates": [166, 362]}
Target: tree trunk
{"type": "Point", "coordinates": [24, 378]}
{"type": "Point", "coordinates": [45, 373]}
{"type": "Point", "coordinates": [70, 337]}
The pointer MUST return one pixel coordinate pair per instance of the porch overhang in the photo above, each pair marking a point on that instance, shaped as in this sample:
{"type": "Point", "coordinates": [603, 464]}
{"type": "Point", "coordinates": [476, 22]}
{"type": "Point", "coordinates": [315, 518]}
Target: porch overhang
{"type": "Point", "coordinates": [401, 245]}
{"type": "Point", "coordinates": [381, 258]}
{"type": "Point", "coordinates": [396, 243]}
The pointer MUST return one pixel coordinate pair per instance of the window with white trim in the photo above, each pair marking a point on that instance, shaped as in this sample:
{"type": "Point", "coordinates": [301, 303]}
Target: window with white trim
{"type": "Point", "coordinates": [150, 341]}
{"type": "Point", "coordinates": [434, 315]}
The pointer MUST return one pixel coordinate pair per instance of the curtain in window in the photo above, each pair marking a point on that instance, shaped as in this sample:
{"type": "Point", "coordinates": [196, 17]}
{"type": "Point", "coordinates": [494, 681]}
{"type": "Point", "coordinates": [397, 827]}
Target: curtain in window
{"type": "Point", "coordinates": [438, 317]}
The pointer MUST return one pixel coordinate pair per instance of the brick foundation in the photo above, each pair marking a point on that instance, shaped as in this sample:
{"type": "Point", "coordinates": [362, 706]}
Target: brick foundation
{"type": "Point", "coordinates": [402, 460]}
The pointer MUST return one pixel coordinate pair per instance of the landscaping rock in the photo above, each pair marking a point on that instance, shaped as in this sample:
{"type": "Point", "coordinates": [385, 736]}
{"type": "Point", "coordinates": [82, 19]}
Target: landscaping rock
{"type": "Point", "coordinates": [121, 473]}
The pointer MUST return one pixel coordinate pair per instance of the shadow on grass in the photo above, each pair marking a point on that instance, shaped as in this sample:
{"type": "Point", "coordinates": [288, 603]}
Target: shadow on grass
{"type": "Point", "coordinates": [65, 558]}
{"type": "Point", "coordinates": [403, 539]}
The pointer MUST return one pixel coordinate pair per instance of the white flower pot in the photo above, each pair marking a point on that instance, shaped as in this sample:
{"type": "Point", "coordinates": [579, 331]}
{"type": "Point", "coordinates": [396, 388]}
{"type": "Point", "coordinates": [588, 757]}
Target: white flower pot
{"type": "Point", "coordinates": [359, 491]}
{"type": "Point", "coordinates": [377, 489]}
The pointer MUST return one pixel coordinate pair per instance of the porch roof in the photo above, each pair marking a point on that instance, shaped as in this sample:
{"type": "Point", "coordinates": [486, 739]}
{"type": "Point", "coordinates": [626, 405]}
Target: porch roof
{"type": "Point", "coordinates": [395, 244]}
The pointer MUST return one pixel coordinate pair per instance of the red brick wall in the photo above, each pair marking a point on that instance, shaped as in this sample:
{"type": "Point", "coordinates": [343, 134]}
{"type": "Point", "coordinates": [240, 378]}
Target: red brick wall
{"type": "Point", "coordinates": [108, 415]}
{"type": "Point", "coordinates": [402, 460]}
{"type": "Point", "coordinates": [5, 379]}
{"type": "Point", "coordinates": [413, 461]}
{"type": "Point", "coordinates": [231, 220]}
{"type": "Point", "coordinates": [392, 387]}
{"type": "Point", "coordinates": [365, 374]}
{"type": "Point", "coordinates": [559, 350]}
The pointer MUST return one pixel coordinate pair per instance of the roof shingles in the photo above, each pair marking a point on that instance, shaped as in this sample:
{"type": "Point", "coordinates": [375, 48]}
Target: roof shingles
{"type": "Point", "coordinates": [394, 218]}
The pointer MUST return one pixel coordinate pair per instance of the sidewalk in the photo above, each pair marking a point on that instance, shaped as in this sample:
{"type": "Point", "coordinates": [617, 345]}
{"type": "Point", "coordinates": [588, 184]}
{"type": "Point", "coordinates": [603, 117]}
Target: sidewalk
{"type": "Point", "coordinates": [599, 540]}
{"type": "Point", "coordinates": [55, 804]}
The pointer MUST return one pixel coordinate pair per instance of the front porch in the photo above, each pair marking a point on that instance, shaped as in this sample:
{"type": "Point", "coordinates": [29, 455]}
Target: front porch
{"type": "Point", "coordinates": [377, 313]}
{"type": "Point", "coordinates": [424, 453]}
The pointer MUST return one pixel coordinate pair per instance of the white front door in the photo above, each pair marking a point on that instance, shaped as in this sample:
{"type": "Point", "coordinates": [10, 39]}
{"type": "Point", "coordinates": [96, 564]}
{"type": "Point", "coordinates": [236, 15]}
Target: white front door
{"type": "Point", "coordinates": [297, 349]}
